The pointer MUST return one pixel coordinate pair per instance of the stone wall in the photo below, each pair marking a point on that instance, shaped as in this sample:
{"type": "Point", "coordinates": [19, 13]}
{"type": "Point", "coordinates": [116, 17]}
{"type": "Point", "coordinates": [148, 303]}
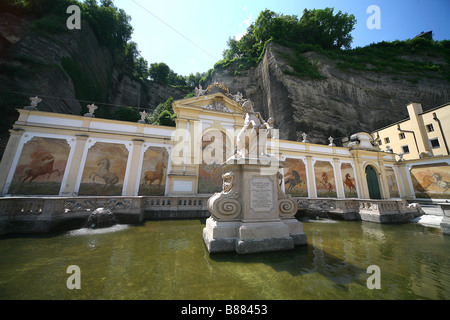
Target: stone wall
{"type": "Point", "coordinates": [51, 154]}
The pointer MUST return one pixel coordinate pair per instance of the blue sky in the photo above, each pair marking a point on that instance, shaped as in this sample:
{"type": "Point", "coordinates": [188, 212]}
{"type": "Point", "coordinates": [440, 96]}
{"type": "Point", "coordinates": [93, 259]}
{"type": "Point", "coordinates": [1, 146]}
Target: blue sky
{"type": "Point", "coordinates": [190, 35]}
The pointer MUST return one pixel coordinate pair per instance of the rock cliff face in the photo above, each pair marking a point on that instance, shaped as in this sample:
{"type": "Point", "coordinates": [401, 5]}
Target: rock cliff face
{"type": "Point", "coordinates": [68, 69]}
{"type": "Point", "coordinates": [341, 104]}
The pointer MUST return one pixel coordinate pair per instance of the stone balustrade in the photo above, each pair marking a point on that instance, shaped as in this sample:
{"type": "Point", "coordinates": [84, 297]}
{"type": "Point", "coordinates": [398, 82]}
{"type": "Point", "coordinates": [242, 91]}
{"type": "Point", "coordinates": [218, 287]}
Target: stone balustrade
{"type": "Point", "coordinates": [381, 211]}
{"type": "Point", "coordinates": [42, 215]}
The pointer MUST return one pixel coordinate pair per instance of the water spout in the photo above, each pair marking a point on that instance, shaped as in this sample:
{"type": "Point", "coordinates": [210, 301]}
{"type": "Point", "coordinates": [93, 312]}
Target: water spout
{"type": "Point", "coordinates": [101, 218]}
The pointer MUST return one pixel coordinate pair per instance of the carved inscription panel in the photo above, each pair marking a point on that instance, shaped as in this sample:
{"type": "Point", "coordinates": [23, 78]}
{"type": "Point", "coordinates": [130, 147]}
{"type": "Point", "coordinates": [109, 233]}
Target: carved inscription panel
{"type": "Point", "coordinates": [261, 194]}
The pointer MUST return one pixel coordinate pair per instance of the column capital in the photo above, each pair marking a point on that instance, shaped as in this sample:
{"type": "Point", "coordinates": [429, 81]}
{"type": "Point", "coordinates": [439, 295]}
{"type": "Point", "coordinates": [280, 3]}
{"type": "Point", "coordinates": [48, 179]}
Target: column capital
{"type": "Point", "coordinates": [82, 136]}
{"type": "Point", "coordinates": [138, 142]}
{"type": "Point", "coordinates": [17, 131]}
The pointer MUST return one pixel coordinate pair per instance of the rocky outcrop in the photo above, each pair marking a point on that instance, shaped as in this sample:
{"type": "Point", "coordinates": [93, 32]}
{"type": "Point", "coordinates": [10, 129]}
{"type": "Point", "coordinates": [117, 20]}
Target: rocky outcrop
{"type": "Point", "coordinates": [339, 105]}
{"type": "Point", "coordinates": [68, 69]}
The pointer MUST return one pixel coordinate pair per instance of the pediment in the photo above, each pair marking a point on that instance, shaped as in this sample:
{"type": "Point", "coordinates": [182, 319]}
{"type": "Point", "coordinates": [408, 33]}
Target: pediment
{"type": "Point", "coordinates": [215, 102]}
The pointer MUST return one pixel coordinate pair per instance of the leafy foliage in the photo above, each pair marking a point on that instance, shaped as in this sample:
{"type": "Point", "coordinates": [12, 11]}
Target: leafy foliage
{"type": "Point", "coordinates": [329, 33]}
{"type": "Point", "coordinates": [163, 114]}
{"type": "Point", "coordinates": [160, 72]}
{"type": "Point", "coordinates": [165, 118]}
{"type": "Point", "coordinates": [395, 58]}
{"type": "Point", "coordinates": [322, 28]}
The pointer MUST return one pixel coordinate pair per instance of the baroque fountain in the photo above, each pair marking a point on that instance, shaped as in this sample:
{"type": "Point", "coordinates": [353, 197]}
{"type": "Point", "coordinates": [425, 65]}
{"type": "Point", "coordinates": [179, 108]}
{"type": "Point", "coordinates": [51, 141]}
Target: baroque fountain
{"type": "Point", "coordinates": [252, 213]}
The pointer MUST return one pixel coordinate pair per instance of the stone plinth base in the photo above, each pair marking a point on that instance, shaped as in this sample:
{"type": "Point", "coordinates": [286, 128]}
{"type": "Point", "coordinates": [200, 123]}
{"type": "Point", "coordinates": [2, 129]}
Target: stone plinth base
{"type": "Point", "coordinates": [252, 213]}
{"type": "Point", "coordinates": [253, 237]}
{"type": "Point", "coordinates": [445, 226]}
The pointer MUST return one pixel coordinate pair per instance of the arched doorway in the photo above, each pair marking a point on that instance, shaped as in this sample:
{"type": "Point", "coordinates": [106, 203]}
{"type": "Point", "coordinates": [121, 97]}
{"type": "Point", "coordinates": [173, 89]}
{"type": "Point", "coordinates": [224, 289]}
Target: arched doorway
{"type": "Point", "coordinates": [372, 183]}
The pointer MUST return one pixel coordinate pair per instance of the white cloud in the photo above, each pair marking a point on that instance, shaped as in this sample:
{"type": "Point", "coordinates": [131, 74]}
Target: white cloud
{"type": "Point", "coordinates": [247, 22]}
{"type": "Point", "coordinates": [239, 36]}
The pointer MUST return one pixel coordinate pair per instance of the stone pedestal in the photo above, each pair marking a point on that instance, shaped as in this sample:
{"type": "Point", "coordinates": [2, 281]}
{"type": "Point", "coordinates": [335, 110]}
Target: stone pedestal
{"type": "Point", "coordinates": [445, 224]}
{"type": "Point", "coordinates": [252, 213]}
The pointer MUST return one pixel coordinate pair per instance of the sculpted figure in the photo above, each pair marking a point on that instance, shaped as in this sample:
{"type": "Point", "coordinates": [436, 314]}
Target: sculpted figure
{"type": "Point", "coordinates": [199, 91]}
{"type": "Point", "coordinates": [304, 135]}
{"type": "Point", "coordinates": [35, 101]}
{"type": "Point", "coordinates": [92, 108]}
{"type": "Point", "coordinates": [252, 125]}
{"type": "Point", "coordinates": [33, 104]}
{"type": "Point", "coordinates": [266, 133]}
{"type": "Point", "coordinates": [227, 182]}
{"type": "Point", "coordinates": [143, 115]}
{"type": "Point", "coordinates": [331, 139]}
{"type": "Point", "coordinates": [238, 97]}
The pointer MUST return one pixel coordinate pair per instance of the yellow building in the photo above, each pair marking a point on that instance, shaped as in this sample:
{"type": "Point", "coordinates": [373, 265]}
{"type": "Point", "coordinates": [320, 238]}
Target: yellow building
{"type": "Point", "coordinates": [50, 154]}
{"type": "Point", "coordinates": [59, 167]}
{"type": "Point", "coordinates": [423, 134]}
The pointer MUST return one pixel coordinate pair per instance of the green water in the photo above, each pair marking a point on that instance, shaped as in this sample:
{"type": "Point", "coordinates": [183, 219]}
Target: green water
{"type": "Point", "coordinates": [168, 260]}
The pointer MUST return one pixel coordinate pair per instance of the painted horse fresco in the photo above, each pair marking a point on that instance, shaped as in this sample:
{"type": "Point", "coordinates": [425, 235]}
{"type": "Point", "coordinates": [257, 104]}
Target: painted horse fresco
{"type": "Point", "coordinates": [292, 182]}
{"type": "Point", "coordinates": [103, 172]}
{"type": "Point", "coordinates": [325, 182]}
{"type": "Point", "coordinates": [349, 182]}
{"type": "Point", "coordinates": [151, 176]}
{"type": "Point", "coordinates": [42, 167]}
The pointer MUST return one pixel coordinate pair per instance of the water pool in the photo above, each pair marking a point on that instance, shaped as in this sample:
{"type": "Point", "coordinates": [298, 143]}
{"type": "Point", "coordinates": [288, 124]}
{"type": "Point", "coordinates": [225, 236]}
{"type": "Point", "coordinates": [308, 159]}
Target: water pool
{"type": "Point", "coordinates": [167, 260]}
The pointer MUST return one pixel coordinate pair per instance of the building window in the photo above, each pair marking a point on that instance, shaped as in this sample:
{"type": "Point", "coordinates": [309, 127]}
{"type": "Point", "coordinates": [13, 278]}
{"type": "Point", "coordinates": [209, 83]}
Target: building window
{"type": "Point", "coordinates": [435, 143]}
{"type": "Point", "coordinates": [402, 136]}
{"type": "Point", "coordinates": [430, 127]}
{"type": "Point", "coordinates": [386, 140]}
{"type": "Point", "coordinates": [405, 149]}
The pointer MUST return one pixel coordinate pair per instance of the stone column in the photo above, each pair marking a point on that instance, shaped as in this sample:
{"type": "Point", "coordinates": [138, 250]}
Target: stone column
{"type": "Point", "coordinates": [360, 175]}
{"type": "Point", "coordinates": [310, 169]}
{"type": "Point", "coordinates": [383, 182]}
{"type": "Point", "coordinates": [8, 157]}
{"type": "Point", "coordinates": [75, 166]}
{"type": "Point", "coordinates": [403, 172]}
{"type": "Point", "coordinates": [180, 150]}
{"type": "Point", "coordinates": [132, 190]}
{"type": "Point", "coordinates": [194, 156]}
{"type": "Point", "coordinates": [338, 179]}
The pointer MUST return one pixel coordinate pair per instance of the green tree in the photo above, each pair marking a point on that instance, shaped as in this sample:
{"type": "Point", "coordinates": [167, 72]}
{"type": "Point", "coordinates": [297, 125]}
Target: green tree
{"type": "Point", "coordinates": [141, 68]}
{"type": "Point", "coordinates": [166, 119]}
{"type": "Point", "coordinates": [316, 27]}
{"type": "Point", "coordinates": [159, 72]}
{"type": "Point", "coordinates": [264, 26]}
{"type": "Point", "coordinates": [329, 30]}
{"type": "Point", "coordinates": [129, 57]}
{"type": "Point", "coordinates": [175, 79]}
{"type": "Point", "coordinates": [166, 106]}
{"type": "Point", "coordinates": [193, 80]}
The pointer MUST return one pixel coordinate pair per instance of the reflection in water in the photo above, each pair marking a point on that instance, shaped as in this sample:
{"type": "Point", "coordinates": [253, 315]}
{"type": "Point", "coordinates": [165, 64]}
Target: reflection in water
{"type": "Point", "coordinates": [89, 231]}
{"type": "Point", "coordinates": [168, 260]}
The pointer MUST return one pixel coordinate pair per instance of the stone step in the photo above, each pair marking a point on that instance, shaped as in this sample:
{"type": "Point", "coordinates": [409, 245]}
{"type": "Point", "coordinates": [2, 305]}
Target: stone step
{"type": "Point", "coordinates": [429, 220]}
{"type": "Point", "coordinates": [430, 209]}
